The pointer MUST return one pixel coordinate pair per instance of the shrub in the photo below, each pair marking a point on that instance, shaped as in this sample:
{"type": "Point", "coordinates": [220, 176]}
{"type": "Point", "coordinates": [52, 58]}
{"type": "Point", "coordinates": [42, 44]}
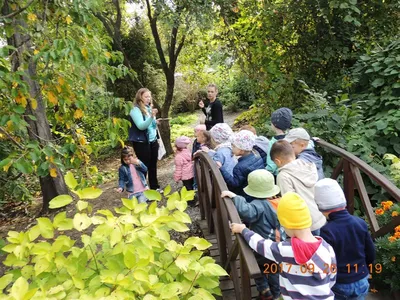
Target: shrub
{"type": "Point", "coordinates": [117, 256]}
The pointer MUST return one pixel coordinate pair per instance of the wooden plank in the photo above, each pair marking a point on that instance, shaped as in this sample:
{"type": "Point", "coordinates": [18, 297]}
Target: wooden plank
{"type": "Point", "coordinates": [348, 189]}
{"type": "Point", "coordinates": [338, 169]}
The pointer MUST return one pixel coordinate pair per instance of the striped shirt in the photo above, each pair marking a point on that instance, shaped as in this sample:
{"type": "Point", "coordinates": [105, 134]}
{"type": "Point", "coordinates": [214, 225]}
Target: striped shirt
{"type": "Point", "coordinates": [312, 280]}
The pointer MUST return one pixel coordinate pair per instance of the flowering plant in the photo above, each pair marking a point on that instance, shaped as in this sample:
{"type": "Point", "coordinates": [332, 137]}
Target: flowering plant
{"type": "Point", "coordinates": [386, 212]}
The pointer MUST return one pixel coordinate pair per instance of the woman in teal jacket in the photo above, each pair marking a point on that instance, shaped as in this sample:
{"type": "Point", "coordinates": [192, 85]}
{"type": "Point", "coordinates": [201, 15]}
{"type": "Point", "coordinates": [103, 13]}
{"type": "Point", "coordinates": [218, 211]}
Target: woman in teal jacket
{"type": "Point", "coordinates": [143, 134]}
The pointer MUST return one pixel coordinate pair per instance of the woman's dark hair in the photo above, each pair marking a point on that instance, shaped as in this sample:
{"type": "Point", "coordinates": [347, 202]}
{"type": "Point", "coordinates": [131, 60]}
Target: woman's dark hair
{"type": "Point", "coordinates": [126, 152]}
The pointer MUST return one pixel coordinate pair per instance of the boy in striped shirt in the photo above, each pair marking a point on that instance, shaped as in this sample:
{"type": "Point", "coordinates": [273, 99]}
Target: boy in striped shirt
{"type": "Point", "coordinates": [307, 264]}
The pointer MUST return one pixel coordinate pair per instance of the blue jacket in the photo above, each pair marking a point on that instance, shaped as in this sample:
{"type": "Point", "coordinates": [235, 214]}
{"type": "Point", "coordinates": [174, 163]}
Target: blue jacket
{"type": "Point", "coordinates": [261, 216]}
{"type": "Point", "coordinates": [125, 177]}
{"type": "Point", "coordinates": [349, 237]}
{"type": "Point", "coordinates": [238, 179]}
{"type": "Point", "coordinates": [225, 156]}
{"type": "Point", "coordinates": [309, 155]}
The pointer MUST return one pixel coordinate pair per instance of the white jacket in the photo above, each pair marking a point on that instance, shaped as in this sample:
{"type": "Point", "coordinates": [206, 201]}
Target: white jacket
{"type": "Point", "coordinates": [300, 177]}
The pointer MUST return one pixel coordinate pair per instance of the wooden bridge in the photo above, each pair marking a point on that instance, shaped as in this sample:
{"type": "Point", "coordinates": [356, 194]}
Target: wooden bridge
{"type": "Point", "coordinates": [233, 253]}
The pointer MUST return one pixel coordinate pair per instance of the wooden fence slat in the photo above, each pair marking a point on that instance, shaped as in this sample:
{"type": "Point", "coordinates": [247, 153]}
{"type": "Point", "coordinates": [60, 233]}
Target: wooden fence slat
{"type": "Point", "coordinates": [362, 191]}
{"type": "Point", "coordinates": [338, 169]}
{"type": "Point", "coordinates": [348, 182]}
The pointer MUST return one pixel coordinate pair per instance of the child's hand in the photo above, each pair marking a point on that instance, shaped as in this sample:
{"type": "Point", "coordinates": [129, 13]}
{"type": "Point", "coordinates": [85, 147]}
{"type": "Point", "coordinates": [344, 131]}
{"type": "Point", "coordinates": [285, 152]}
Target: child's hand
{"type": "Point", "coordinates": [119, 190]}
{"type": "Point", "coordinates": [237, 228]}
{"type": "Point", "coordinates": [218, 163]}
{"type": "Point", "coordinates": [228, 194]}
{"type": "Point", "coordinates": [205, 149]}
{"type": "Point", "coordinates": [136, 161]}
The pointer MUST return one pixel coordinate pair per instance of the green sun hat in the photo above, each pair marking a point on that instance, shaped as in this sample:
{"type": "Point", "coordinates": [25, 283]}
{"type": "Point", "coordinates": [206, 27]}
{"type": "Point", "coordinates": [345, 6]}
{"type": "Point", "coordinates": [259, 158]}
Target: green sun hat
{"type": "Point", "coordinates": [261, 184]}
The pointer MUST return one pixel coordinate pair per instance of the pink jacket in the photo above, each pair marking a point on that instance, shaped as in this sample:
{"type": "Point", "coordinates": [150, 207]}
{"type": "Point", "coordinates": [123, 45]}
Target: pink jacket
{"type": "Point", "coordinates": [183, 165]}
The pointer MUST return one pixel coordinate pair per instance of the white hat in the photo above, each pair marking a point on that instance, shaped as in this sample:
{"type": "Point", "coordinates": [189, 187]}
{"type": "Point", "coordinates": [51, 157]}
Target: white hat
{"type": "Point", "coordinates": [329, 195]}
{"type": "Point", "coordinates": [244, 140]}
{"type": "Point", "coordinates": [297, 133]}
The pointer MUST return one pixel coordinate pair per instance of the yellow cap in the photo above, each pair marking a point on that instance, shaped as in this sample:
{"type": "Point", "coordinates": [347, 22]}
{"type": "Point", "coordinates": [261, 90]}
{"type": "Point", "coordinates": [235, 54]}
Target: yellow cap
{"type": "Point", "coordinates": [293, 212]}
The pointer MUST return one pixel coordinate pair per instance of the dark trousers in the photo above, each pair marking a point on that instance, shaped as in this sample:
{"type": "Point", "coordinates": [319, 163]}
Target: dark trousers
{"type": "Point", "coordinates": [188, 184]}
{"type": "Point", "coordinates": [148, 154]}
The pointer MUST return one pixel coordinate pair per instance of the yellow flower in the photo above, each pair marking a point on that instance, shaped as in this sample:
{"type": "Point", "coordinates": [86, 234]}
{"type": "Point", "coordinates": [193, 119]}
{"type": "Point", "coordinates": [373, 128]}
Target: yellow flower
{"type": "Point", "coordinates": [393, 259]}
{"type": "Point", "coordinates": [395, 214]}
{"type": "Point", "coordinates": [32, 17]}
{"type": "Point", "coordinates": [78, 114]}
{"type": "Point", "coordinates": [379, 211]}
{"type": "Point", "coordinates": [392, 239]}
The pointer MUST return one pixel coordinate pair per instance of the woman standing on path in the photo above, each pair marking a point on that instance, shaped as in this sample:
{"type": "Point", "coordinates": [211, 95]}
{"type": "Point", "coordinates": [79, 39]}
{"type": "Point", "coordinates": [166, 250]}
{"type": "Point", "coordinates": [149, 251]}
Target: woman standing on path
{"type": "Point", "coordinates": [213, 111]}
{"type": "Point", "coordinates": [143, 134]}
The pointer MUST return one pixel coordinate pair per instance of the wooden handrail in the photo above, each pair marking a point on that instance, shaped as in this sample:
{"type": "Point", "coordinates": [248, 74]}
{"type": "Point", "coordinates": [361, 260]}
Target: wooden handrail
{"type": "Point", "coordinates": [218, 213]}
{"type": "Point", "coordinates": [351, 166]}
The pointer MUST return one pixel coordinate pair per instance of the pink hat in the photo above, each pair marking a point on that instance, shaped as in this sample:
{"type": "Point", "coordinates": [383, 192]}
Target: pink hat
{"type": "Point", "coordinates": [200, 127]}
{"type": "Point", "coordinates": [182, 142]}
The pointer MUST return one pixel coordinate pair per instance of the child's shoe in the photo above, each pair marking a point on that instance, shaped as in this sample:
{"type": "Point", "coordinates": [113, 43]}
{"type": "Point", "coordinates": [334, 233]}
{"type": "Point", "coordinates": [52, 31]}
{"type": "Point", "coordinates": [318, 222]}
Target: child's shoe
{"type": "Point", "coordinates": [265, 295]}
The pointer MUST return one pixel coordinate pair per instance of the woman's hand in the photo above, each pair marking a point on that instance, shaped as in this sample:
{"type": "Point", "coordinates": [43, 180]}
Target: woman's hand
{"type": "Point", "coordinates": [154, 112]}
{"type": "Point", "coordinates": [228, 194]}
{"type": "Point", "coordinates": [237, 228]}
{"type": "Point", "coordinates": [201, 104]}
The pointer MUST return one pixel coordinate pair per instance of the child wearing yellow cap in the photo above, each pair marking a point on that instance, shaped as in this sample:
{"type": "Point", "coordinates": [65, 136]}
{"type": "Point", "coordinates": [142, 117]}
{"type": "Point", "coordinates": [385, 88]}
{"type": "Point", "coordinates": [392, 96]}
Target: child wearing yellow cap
{"type": "Point", "coordinates": [307, 264]}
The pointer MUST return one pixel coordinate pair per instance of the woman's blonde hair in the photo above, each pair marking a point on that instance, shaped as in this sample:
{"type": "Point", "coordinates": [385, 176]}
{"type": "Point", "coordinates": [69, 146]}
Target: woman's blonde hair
{"type": "Point", "coordinates": [139, 101]}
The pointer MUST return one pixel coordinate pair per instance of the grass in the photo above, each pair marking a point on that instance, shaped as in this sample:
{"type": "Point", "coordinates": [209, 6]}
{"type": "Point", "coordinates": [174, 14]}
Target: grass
{"type": "Point", "coordinates": [181, 125]}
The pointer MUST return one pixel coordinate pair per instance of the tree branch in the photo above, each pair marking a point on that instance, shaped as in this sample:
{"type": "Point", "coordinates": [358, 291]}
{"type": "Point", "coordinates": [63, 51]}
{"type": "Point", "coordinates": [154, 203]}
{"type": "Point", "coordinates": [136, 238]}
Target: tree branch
{"type": "Point", "coordinates": [180, 46]}
{"type": "Point", "coordinates": [18, 11]}
{"type": "Point", "coordinates": [11, 138]}
{"type": "Point", "coordinates": [156, 36]}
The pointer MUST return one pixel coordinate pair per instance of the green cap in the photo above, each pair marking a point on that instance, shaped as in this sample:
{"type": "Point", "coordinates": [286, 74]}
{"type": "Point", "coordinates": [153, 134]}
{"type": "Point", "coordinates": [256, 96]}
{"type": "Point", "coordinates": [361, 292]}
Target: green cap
{"type": "Point", "coordinates": [261, 184]}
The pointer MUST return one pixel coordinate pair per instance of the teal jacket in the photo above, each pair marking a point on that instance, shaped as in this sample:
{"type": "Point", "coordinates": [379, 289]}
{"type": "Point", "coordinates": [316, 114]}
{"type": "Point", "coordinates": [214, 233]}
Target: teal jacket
{"type": "Point", "coordinates": [271, 166]}
{"type": "Point", "coordinates": [145, 122]}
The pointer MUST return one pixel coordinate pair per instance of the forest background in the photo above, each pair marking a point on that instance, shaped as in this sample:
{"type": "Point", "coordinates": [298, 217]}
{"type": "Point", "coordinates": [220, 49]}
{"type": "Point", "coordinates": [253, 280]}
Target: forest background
{"type": "Point", "coordinates": [70, 69]}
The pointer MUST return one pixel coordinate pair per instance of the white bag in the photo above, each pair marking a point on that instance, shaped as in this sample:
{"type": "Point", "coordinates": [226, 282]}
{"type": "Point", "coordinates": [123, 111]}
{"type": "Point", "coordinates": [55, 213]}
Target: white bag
{"type": "Point", "coordinates": [161, 147]}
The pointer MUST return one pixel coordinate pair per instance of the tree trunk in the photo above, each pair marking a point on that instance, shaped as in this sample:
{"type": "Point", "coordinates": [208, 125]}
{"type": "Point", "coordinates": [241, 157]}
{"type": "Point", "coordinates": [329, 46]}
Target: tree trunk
{"type": "Point", "coordinates": [164, 124]}
{"type": "Point", "coordinates": [39, 129]}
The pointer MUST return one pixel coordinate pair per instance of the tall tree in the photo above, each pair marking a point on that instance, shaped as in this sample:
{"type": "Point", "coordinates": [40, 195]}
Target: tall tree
{"type": "Point", "coordinates": [53, 62]}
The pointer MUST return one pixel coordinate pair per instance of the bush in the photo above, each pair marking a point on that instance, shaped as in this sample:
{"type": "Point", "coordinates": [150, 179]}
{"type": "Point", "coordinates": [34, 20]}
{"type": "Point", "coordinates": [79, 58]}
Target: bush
{"type": "Point", "coordinates": [122, 256]}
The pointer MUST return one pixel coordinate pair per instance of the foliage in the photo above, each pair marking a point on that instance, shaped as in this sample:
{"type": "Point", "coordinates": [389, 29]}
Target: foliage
{"type": "Point", "coordinates": [387, 254]}
{"type": "Point", "coordinates": [387, 211]}
{"type": "Point", "coordinates": [394, 168]}
{"type": "Point", "coordinates": [123, 256]}
{"type": "Point", "coordinates": [182, 125]}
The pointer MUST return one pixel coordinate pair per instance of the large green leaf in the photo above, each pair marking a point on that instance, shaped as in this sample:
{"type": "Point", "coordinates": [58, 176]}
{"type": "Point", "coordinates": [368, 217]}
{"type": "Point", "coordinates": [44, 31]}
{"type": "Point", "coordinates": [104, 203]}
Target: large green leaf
{"type": "Point", "coordinates": [214, 270]}
{"type": "Point", "coordinates": [81, 222]}
{"type": "Point", "coordinates": [378, 82]}
{"type": "Point", "coordinates": [46, 228]}
{"type": "Point", "coordinates": [70, 180]}
{"type": "Point", "coordinates": [152, 195]}
{"type": "Point", "coordinates": [199, 243]}
{"type": "Point", "coordinates": [5, 280]}
{"type": "Point", "coordinates": [89, 193]}
{"type": "Point", "coordinates": [60, 201]}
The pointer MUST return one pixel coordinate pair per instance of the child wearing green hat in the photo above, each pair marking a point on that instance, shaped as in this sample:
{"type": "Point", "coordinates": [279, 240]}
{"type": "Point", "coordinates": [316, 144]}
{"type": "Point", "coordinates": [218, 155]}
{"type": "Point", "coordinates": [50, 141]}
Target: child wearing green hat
{"type": "Point", "coordinates": [260, 214]}
{"type": "Point", "coordinates": [307, 264]}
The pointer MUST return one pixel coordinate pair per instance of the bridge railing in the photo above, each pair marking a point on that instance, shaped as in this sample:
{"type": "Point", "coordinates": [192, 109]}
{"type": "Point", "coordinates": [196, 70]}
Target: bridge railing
{"type": "Point", "coordinates": [218, 212]}
{"type": "Point", "coordinates": [351, 167]}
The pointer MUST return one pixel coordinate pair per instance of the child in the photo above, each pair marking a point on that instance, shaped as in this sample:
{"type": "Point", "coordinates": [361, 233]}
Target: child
{"type": "Point", "coordinates": [261, 143]}
{"type": "Point", "coordinates": [300, 139]}
{"type": "Point", "coordinates": [307, 264]}
{"type": "Point", "coordinates": [349, 237]}
{"type": "Point", "coordinates": [196, 144]}
{"type": "Point", "coordinates": [132, 175]}
{"type": "Point", "coordinates": [281, 120]}
{"type": "Point", "coordinates": [183, 163]}
{"type": "Point", "coordinates": [296, 175]}
{"type": "Point", "coordinates": [222, 153]}
{"type": "Point", "coordinates": [242, 145]}
{"type": "Point", "coordinates": [260, 214]}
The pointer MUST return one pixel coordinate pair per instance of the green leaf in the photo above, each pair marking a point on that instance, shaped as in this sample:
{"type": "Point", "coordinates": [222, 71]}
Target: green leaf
{"type": "Point", "coordinates": [180, 216]}
{"type": "Point", "coordinates": [60, 201]}
{"type": "Point", "coordinates": [152, 195]}
{"type": "Point", "coordinates": [170, 290]}
{"type": "Point", "coordinates": [182, 262]}
{"type": "Point", "coordinates": [70, 180]}
{"type": "Point", "coordinates": [129, 259]}
{"type": "Point", "coordinates": [207, 282]}
{"type": "Point", "coordinates": [214, 270]}
{"type": "Point", "coordinates": [61, 222]}
{"type": "Point", "coordinates": [116, 236]}
{"type": "Point", "coordinates": [129, 203]}
{"type": "Point", "coordinates": [33, 233]}
{"type": "Point", "coordinates": [46, 228]}
{"type": "Point", "coordinates": [19, 288]}
{"type": "Point", "coordinates": [199, 243]}
{"type": "Point", "coordinates": [5, 280]}
{"type": "Point", "coordinates": [167, 190]}
{"type": "Point", "coordinates": [89, 193]}
{"type": "Point", "coordinates": [81, 222]}
{"type": "Point", "coordinates": [381, 124]}
{"type": "Point", "coordinates": [81, 205]}
{"type": "Point", "coordinates": [187, 195]}
{"type": "Point", "coordinates": [141, 275]}
{"type": "Point", "coordinates": [177, 226]}
{"type": "Point", "coordinates": [378, 82]}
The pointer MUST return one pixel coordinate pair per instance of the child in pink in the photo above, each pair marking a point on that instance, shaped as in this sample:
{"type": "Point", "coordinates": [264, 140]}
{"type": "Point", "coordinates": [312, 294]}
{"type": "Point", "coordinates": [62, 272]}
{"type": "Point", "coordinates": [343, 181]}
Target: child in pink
{"type": "Point", "coordinates": [183, 163]}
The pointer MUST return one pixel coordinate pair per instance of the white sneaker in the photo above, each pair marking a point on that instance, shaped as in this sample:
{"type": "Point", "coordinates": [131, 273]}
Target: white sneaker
{"type": "Point", "coordinates": [160, 190]}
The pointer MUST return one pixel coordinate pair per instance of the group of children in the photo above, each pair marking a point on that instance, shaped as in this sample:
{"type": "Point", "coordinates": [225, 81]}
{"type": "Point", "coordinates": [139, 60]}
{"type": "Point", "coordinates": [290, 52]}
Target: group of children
{"type": "Point", "coordinates": [305, 241]}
